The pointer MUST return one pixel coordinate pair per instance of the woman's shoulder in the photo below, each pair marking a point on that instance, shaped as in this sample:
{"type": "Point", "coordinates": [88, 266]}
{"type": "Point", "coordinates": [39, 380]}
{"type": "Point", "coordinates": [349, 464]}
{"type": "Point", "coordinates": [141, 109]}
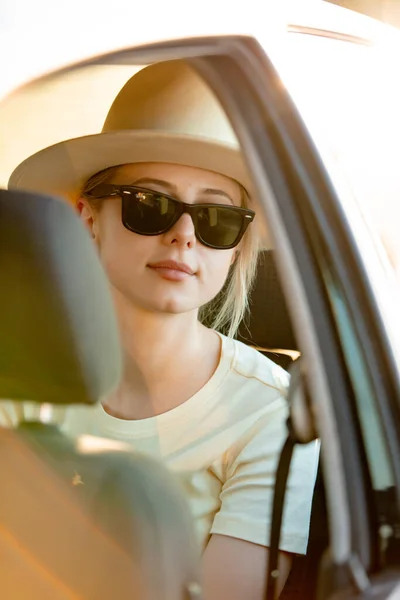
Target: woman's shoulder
{"type": "Point", "coordinates": [247, 363]}
{"type": "Point", "coordinates": [253, 388]}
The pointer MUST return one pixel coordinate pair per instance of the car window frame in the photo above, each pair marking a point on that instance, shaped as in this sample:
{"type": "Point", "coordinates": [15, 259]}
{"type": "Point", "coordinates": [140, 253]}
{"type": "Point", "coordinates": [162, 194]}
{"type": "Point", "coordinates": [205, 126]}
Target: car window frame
{"type": "Point", "coordinates": [295, 171]}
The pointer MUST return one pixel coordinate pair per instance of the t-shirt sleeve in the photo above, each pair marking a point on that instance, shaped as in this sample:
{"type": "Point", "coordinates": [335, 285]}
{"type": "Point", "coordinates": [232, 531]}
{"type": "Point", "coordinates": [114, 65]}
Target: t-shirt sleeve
{"type": "Point", "coordinates": [247, 493]}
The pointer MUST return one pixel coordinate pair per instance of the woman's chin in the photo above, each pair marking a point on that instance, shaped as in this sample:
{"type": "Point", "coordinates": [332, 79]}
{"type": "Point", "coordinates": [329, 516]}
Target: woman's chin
{"type": "Point", "coordinates": [173, 304]}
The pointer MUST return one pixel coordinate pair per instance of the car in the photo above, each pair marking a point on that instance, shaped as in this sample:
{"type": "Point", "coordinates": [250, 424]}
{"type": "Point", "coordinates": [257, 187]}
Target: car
{"type": "Point", "coordinates": [312, 91]}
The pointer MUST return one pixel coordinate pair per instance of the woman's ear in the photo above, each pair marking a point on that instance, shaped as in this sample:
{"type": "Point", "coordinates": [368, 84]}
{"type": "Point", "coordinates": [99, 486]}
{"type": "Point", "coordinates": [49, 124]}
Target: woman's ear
{"type": "Point", "coordinates": [88, 217]}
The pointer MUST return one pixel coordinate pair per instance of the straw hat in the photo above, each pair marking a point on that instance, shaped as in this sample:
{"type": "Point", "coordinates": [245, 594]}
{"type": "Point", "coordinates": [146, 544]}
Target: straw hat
{"type": "Point", "coordinates": [164, 113]}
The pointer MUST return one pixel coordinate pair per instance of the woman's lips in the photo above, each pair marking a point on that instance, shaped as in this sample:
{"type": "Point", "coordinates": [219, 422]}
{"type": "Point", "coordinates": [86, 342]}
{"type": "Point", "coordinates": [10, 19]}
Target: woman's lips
{"type": "Point", "coordinates": [172, 270]}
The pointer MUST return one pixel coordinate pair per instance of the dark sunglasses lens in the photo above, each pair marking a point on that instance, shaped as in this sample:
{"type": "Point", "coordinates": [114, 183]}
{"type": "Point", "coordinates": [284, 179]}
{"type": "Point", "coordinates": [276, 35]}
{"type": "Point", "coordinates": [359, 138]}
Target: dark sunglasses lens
{"type": "Point", "coordinates": [219, 226]}
{"type": "Point", "coordinates": [147, 213]}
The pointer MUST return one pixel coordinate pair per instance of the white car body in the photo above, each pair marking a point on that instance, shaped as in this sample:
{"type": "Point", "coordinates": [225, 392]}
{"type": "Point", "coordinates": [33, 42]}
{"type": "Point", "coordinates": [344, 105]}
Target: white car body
{"type": "Point", "coordinates": [40, 36]}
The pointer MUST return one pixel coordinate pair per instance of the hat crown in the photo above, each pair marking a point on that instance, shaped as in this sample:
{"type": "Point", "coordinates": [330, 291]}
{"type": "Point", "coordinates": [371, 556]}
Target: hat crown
{"type": "Point", "coordinates": [171, 98]}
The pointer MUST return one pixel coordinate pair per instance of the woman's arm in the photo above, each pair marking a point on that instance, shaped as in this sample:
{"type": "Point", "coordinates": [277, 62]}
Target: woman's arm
{"type": "Point", "coordinates": [237, 569]}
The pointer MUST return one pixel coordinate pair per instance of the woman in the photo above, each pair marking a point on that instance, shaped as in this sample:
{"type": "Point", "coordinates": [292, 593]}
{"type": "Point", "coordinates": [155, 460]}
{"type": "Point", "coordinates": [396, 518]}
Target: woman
{"type": "Point", "coordinates": [165, 195]}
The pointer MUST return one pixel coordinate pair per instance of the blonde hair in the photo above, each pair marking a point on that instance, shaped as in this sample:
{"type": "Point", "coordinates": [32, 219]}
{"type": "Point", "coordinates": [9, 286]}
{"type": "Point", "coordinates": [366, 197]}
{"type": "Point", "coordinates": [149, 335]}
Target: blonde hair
{"type": "Point", "coordinates": [227, 310]}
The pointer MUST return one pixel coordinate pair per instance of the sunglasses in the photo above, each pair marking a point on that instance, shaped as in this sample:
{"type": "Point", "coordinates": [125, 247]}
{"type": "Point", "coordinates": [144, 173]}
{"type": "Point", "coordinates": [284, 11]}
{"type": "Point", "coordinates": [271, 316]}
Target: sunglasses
{"type": "Point", "coordinates": [145, 212]}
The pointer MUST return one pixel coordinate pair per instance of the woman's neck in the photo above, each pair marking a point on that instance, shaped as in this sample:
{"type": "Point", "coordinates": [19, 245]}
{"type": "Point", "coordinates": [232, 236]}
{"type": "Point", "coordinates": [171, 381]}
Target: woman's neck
{"type": "Point", "coordinates": [167, 358]}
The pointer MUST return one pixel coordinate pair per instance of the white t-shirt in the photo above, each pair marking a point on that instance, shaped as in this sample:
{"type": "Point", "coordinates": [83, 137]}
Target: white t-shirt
{"type": "Point", "coordinates": [223, 443]}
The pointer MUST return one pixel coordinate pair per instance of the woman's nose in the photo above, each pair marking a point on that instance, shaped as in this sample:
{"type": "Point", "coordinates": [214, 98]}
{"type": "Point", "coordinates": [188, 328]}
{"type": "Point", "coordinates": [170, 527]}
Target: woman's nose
{"type": "Point", "coordinates": [182, 233]}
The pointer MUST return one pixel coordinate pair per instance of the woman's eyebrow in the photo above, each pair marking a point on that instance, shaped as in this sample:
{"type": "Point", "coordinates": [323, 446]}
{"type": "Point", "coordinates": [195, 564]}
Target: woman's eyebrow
{"type": "Point", "coordinates": [216, 192]}
{"type": "Point", "coordinates": [172, 188]}
{"type": "Point", "coordinates": [150, 180]}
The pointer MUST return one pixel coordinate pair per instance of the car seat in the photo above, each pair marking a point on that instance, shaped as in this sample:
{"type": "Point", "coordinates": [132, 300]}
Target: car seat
{"type": "Point", "coordinates": [267, 326]}
{"type": "Point", "coordinates": [71, 510]}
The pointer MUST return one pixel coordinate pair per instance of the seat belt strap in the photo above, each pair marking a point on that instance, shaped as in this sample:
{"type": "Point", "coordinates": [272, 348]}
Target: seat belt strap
{"type": "Point", "coordinates": [282, 474]}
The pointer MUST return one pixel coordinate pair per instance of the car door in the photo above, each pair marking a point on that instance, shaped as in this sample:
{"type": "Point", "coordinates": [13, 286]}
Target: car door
{"type": "Point", "coordinates": [348, 356]}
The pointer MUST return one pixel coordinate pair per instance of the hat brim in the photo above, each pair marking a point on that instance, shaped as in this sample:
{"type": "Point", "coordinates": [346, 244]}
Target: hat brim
{"type": "Point", "coordinates": [64, 168]}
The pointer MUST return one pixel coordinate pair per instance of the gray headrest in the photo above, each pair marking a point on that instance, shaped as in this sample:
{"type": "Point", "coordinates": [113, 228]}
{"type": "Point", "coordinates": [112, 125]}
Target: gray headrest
{"type": "Point", "coordinates": [58, 332]}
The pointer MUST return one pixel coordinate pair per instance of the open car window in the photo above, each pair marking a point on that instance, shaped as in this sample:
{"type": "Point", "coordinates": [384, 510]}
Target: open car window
{"type": "Point", "coordinates": [293, 187]}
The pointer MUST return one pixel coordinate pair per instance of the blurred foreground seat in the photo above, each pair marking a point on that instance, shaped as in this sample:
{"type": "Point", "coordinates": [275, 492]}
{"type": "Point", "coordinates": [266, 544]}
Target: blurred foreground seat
{"type": "Point", "coordinates": [78, 518]}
